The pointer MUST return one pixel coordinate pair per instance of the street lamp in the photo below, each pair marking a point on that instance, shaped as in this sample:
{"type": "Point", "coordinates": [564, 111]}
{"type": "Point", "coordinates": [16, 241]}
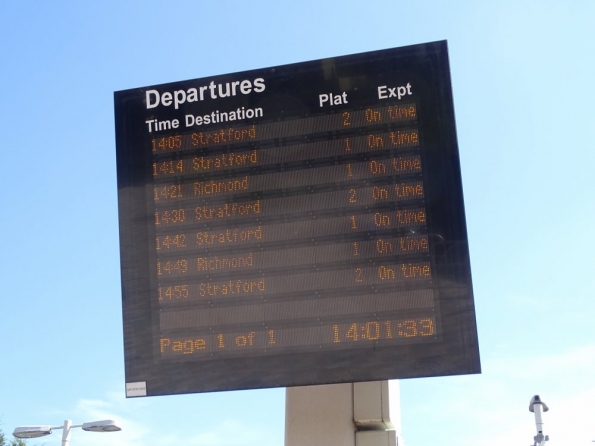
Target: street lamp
{"type": "Point", "coordinates": [536, 406]}
{"type": "Point", "coordinates": [40, 431]}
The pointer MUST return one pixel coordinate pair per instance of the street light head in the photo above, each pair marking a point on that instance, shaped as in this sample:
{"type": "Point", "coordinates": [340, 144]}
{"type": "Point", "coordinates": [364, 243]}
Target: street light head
{"type": "Point", "coordinates": [32, 431]}
{"type": "Point", "coordinates": [536, 400]}
{"type": "Point", "coordinates": [101, 426]}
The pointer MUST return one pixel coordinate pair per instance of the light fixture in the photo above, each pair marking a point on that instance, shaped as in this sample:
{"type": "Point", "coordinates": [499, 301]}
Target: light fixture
{"type": "Point", "coordinates": [32, 431]}
{"type": "Point", "coordinates": [101, 426]}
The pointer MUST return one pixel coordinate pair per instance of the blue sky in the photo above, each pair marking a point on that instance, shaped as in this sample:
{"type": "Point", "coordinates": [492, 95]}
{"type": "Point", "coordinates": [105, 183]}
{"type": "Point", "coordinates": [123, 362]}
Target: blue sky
{"type": "Point", "coordinates": [522, 76]}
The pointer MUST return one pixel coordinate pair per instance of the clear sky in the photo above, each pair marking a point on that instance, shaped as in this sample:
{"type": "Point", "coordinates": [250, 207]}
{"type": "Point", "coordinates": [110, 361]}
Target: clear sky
{"type": "Point", "coordinates": [522, 75]}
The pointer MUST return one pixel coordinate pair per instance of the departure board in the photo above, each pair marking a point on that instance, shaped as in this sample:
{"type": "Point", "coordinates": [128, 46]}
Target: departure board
{"type": "Point", "coordinates": [294, 225]}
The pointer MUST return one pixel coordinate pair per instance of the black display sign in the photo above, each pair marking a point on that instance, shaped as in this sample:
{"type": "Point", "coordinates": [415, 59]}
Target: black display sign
{"type": "Point", "coordinates": [295, 225]}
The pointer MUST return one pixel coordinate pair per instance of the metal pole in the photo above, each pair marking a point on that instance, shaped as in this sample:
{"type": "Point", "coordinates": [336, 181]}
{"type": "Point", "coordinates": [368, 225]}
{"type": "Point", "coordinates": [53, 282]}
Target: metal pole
{"type": "Point", "coordinates": [66, 432]}
{"type": "Point", "coordinates": [540, 439]}
{"type": "Point", "coordinates": [537, 406]}
{"type": "Point", "coordinates": [538, 421]}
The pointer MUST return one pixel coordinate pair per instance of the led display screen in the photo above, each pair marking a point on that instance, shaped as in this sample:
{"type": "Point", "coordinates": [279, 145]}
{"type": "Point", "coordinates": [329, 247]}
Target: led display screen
{"type": "Point", "coordinates": [295, 225]}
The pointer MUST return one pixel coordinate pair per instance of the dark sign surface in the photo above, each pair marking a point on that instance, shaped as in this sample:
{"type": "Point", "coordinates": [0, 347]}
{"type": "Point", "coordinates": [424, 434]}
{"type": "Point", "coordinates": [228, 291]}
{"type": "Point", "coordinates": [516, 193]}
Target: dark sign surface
{"type": "Point", "coordinates": [295, 225]}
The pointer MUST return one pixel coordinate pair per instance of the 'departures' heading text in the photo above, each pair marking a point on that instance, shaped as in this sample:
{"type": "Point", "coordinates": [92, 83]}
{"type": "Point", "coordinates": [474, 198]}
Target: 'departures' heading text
{"type": "Point", "coordinates": [214, 91]}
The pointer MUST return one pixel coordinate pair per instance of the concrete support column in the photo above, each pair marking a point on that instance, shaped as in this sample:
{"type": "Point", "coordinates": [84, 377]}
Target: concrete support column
{"type": "Point", "coordinates": [319, 416]}
{"type": "Point", "coordinates": [354, 414]}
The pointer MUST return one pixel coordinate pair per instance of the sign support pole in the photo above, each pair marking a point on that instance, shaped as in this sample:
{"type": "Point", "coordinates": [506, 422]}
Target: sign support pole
{"type": "Point", "coordinates": [352, 414]}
